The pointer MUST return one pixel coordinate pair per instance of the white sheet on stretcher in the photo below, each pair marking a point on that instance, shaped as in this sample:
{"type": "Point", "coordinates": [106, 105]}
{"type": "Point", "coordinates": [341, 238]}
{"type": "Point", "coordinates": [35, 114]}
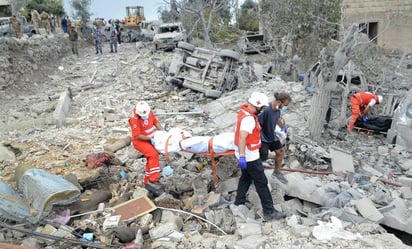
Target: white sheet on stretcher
{"type": "Point", "coordinates": [181, 140]}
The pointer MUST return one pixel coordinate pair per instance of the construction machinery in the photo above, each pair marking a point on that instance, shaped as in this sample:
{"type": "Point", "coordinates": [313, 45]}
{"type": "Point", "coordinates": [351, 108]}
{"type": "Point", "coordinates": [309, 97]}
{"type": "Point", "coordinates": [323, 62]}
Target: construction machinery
{"type": "Point", "coordinates": [130, 25]}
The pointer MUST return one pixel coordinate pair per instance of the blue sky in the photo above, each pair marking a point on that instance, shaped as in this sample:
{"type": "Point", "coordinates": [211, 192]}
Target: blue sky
{"type": "Point", "coordinates": [116, 9]}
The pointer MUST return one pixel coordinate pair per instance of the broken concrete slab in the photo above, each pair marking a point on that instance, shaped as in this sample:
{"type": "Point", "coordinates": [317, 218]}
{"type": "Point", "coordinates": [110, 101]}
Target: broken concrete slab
{"type": "Point", "coordinates": [406, 181]}
{"type": "Point", "coordinates": [249, 229]}
{"type": "Point", "coordinates": [6, 155]}
{"type": "Point", "coordinates": [62, 108]}
{"type": "Point", "coordinates": [372, 171]}
{"type": "Point", "coordinates": [309, 192]}
{"type": "Point", "coordinates": [368, 210]}
{"type": "Point", "coordinates": [228, 185]}
{"type": "Point", "coordinates": [406, 192]}
{"type": "Point", "coordinates": [341, 161]}
{"type": "Point", "coordinates": [399, 217]}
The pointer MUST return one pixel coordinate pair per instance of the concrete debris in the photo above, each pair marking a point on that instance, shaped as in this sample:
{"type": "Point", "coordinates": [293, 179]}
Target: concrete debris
{"type": "Point", "coordinates": [341, 161]}
{"type": "Point", "coordinates": [334, 198]}
{"type": "Point", "coordinates": [333, 230]}
{"type": "Point", "coordinates": [367, 209]}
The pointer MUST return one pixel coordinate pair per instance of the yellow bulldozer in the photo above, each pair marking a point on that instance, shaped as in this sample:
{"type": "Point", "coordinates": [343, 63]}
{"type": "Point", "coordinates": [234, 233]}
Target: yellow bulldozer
{"type": "Point", "coordinates": [130, 25]}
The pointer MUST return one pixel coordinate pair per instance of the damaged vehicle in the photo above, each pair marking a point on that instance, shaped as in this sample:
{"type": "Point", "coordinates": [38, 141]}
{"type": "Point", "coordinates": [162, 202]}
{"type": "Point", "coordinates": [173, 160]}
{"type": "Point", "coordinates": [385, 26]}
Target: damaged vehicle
{"type": "Point", "coordinates": [400, 132]}
{"type": "Point", "coordinates": [251, 44]}
{"type": "Point", "coordinates": [168, 35]}
{"type": "Point", "coordinates": [6, 28]}
{"type": "Point", "coordinates": [207, 71]}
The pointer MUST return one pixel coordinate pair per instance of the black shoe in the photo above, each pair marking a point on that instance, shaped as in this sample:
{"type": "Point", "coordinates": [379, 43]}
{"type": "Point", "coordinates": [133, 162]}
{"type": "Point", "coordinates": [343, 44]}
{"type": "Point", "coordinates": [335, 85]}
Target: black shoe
{"type": "Point", "coordinates": [156, 188]}
{"type": "Point", "coordinates": [280, 177]}
{"type": "Point", "coordinates": [156, 185]}
{"type": "Point", "coordinates": [274, 215]}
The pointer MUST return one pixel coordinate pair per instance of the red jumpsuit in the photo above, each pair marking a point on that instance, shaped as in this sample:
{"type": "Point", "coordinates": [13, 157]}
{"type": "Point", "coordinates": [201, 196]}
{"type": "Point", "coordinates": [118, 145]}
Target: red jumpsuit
{"type": "Point", "coordinates": [147, 128]}
{"type": "Point", "coordinates": [359, 102]}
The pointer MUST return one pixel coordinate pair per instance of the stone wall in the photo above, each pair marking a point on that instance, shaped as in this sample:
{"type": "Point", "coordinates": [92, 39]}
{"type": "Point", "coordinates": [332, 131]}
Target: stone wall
{"type": "Point", "coordinates": [393, 18]}
{"type": "Point", "coordinates": [20, 59]}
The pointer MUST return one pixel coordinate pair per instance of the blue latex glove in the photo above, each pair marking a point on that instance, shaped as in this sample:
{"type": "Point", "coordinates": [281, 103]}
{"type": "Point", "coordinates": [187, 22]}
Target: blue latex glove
{"type": "Point", "coordinates": [365, 119]}
{"type": "Point", "coordinates": [242, 163]}
{"type": "Point", "coordinates": [284, 129]}
{"type": "Point", "coordinates": [152, 141]}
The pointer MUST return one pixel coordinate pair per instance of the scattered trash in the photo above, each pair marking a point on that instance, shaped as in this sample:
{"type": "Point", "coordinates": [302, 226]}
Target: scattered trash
{"type": "Point", "coordinates": [167, 171]}
{"type": "Point", "coordinates": [333, 230]}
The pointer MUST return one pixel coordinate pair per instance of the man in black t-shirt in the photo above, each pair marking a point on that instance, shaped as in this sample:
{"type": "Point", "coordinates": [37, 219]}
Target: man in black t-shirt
{"type": "Point", "coordinates": [268, 120]}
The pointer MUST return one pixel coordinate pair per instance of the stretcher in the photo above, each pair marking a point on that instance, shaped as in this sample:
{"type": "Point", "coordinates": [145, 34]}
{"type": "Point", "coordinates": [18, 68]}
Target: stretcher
{"type": "Point", "coordinates": [210, 153]}
{"type": "Point", "coordinates": [368, 131]}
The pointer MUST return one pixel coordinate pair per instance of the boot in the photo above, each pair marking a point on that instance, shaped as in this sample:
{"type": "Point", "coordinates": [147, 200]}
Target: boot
{"type": "Point", "coordinates": [274, 215]}
{"type": "Point", "coordinates": [156, 188]}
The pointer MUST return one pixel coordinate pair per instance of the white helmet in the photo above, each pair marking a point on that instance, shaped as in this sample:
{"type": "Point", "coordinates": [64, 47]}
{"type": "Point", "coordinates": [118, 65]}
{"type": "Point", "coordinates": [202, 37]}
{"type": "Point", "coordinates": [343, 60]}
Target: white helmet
{"type": "Point", "coordinates": [258, 99]}
{"type": "Point", "coordinates": [380, 98]}
{"type": "Point", "coordinates": [142, 108]}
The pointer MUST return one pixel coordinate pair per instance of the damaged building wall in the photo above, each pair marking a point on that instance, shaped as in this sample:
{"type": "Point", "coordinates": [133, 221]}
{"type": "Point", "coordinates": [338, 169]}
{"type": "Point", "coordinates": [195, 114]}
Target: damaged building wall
{"type": "Point", "coordinates": [390, 20]}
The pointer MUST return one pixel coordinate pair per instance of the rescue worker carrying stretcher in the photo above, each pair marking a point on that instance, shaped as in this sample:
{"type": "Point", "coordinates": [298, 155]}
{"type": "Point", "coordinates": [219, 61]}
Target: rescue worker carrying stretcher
{"type": "Point", "coordinates": [361, 103]}
{"type": "Point", "coordinates": [143, 124]}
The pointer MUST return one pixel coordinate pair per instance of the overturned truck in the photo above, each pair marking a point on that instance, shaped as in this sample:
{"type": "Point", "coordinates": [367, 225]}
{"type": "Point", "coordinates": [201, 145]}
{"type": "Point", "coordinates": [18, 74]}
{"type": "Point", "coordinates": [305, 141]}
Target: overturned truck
{"type": "Point", "coordinates": [207, 71]}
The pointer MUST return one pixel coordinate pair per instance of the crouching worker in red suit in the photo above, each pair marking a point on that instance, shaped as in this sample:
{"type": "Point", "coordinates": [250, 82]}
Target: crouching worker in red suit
{"type": "Point", "coordinates": [143, 124]}
{"type": "Point", "coordinates": [361, 103]}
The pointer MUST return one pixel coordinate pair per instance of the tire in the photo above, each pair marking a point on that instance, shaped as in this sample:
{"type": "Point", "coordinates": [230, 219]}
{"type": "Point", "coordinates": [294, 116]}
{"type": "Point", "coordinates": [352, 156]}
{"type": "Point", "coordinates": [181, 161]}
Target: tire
{"type": "Point", "coordinates": [225, 53]}
{"type": "Point", "coordinates": [213, 94]}
{"type": "Point", "coordinates": [125, 37]}
{"type": "Point", "coordinates": [186, 46]}
{"type": "Point", "coordinates": [174, 81]}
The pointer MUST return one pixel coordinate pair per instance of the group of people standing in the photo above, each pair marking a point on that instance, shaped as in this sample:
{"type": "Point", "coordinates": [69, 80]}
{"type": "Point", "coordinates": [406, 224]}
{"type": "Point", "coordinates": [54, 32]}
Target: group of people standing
{"type": "Point", "coordinates": [114, 31]}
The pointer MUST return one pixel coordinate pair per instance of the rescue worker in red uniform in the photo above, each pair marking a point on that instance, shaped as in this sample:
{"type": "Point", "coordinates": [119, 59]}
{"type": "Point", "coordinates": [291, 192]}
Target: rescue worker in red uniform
{"type": "Point", "coordinates": [361, 103]}
{"type": "Point", "coordinates": [247, 141]}
{"type": "Point", "coordinates": [143, 124]}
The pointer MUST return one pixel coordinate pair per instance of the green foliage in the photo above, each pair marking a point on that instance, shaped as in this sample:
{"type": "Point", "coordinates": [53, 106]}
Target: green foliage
{"type": "Point", "coordinates": [49, 6]}
{"type": "Point", "coordinates": [227, 34]}
{"type": "Point", "coordinates": [215, 14]}
{"type": "Point", "coordinates": [165, 14]}
{"type": "Point", "coordinates": [81, 9]}
{"type": "Point", "coordinates": [309, 24]}
{"type": "Point", "coordinates": [248, 20]}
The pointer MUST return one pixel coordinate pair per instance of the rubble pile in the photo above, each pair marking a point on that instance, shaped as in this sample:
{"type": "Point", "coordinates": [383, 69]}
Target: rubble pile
{"type": "Point", "coordinates": [339, 192]}
{"type": "Point", "coordinates": [22, 58]}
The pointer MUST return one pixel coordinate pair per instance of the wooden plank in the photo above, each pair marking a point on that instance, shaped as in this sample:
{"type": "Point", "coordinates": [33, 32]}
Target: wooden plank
{"type": "Point", "coordinates": [134, 208]}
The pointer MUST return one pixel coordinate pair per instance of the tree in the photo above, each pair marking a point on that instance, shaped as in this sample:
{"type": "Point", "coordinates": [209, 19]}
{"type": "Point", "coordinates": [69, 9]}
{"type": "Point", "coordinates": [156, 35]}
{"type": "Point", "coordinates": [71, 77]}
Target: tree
{"type": "Point", "coordinates": [208, 18]}
{"type": "Point", "coordinates": [51, 7]}
{"type": "Point", "coordinates": [247, 18]}
{"type": "Point", "coordinates": [330, 65]}
{"type": "Point", "coordinates": [306, 24]}
{"type": "Point", "coordinates": [81, 10]}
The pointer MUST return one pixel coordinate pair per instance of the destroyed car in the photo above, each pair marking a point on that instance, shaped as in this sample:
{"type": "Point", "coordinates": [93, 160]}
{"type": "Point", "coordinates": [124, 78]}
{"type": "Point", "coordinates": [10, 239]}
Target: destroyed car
{"type": "Point", "coordinates": [168, 35]}
{"type": "Point", "coordinates": [400, 132]}
{"type": "Point", "coordinates": [148, 30]}
{"type": "Point", "coordinates": [250, 44]}
{"type": "Point", "coordinates": [207, 71]}
{"type": "Point", "coordinates": [6, 28]}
